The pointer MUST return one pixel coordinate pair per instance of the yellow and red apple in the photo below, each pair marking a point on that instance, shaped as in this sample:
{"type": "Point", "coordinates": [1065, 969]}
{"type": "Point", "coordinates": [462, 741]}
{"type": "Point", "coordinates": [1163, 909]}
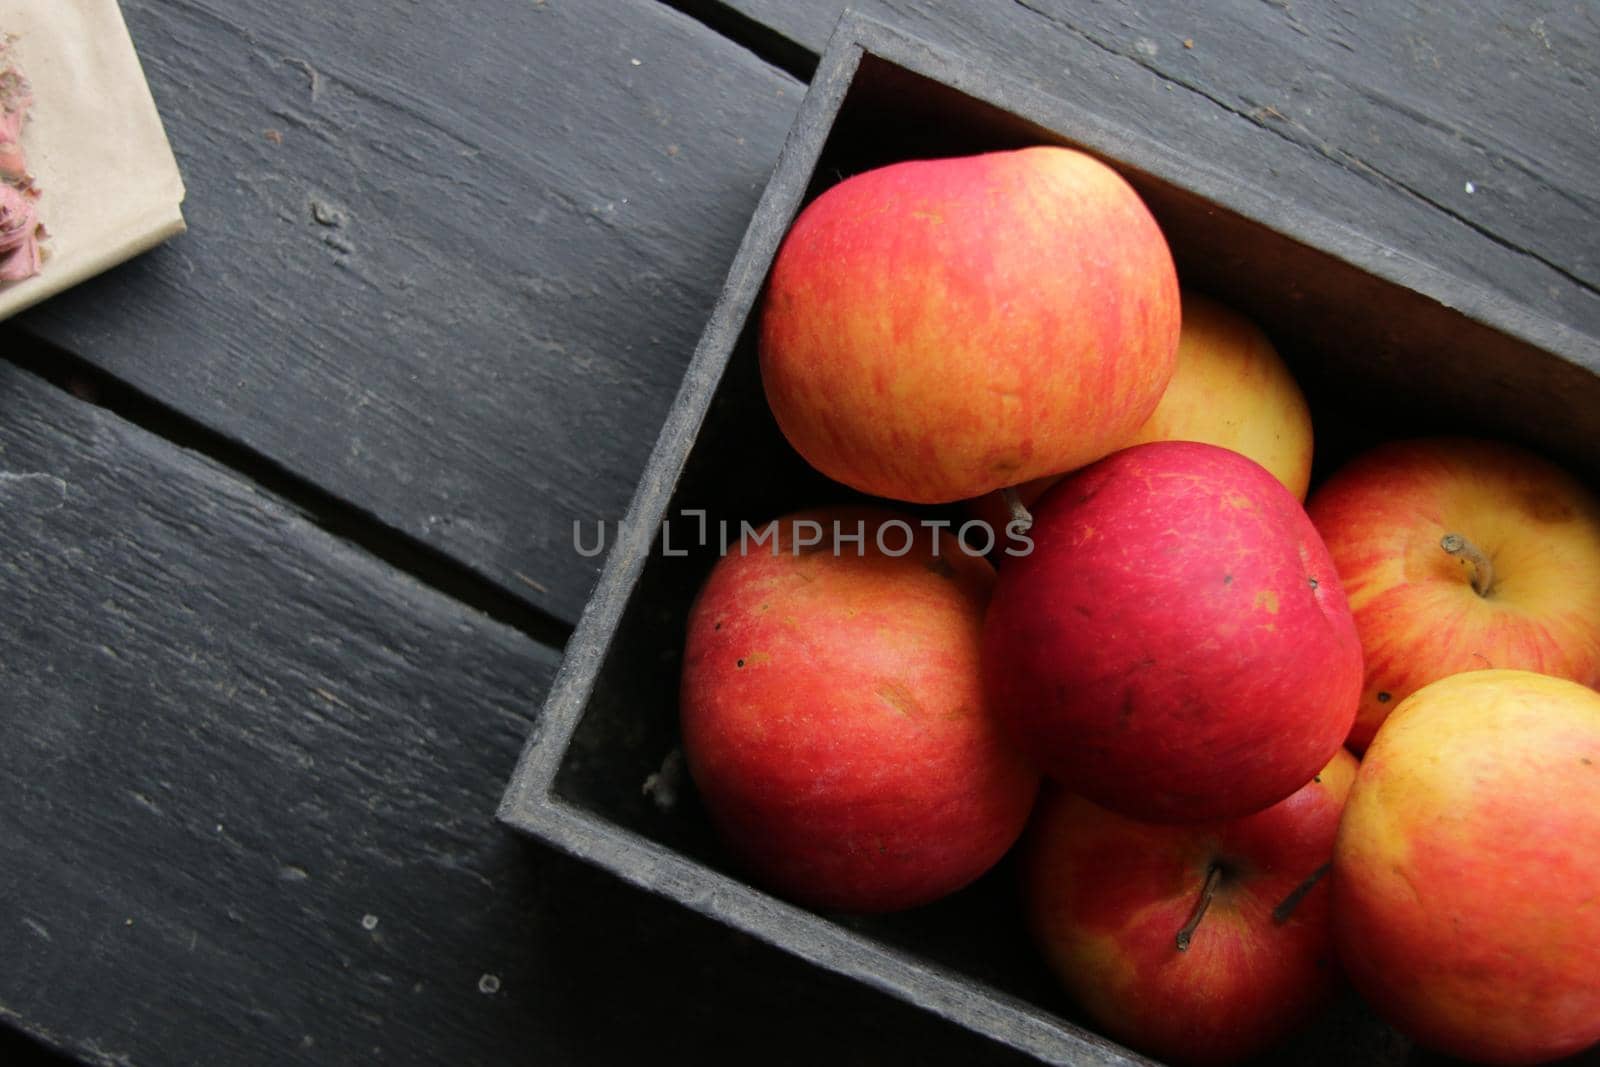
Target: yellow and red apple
{"type": "Point", "coordinates": [1176, 647]}
{"type": "Point", "coordinates": [1230, 388]}
{"type": "Point", "coordinates": [1466, 879]}
{"type": "Point", "coordinates": [833, 718]}
{"type": "Point", "coordinates": [1199, 944]}
{"type": "Point", "coordinates": [1461, 554]}
{"type": "Point", "coordinates": [936, 329]}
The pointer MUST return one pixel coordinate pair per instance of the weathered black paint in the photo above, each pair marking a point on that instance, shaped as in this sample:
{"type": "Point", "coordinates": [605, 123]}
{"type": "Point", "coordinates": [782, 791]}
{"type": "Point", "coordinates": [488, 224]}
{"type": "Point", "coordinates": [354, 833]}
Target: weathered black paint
{"type": "Point", "coordinates": [1377, 116]}
{"type": "Point", "coordinates": [446, 261]}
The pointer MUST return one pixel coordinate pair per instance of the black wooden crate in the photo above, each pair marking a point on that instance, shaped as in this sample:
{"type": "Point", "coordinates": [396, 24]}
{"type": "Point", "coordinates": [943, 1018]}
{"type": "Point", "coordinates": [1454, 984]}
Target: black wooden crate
{"type": "Point", "coordinates": [1384, 344]}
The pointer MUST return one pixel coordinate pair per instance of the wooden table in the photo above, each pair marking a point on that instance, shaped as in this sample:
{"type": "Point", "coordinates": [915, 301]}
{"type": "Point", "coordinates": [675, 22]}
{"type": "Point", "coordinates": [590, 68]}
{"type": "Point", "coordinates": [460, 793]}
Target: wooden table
{"type": "Point", "coordinates": [287, 505]}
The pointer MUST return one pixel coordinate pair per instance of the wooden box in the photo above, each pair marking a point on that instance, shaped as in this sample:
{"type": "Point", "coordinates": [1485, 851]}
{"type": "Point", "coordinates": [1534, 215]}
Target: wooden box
{"type": "Point", "coordinates": [1383, 344]}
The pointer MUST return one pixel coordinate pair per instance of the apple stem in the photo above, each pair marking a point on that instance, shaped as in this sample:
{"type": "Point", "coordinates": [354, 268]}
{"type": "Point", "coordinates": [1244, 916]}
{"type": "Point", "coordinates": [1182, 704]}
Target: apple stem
{"type": "Point", "coordinates": [1213, 876]}
{"type": "Point", "coordinates": [1021, 517]}
{"type": "Point", "coordinates": [1482, 569]}
{"type": "Point", "coordinates": [1281, 913]}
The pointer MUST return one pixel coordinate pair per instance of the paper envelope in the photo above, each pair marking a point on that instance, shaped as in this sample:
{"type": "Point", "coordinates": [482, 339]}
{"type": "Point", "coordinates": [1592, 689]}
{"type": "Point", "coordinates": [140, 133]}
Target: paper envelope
{"type": "Point", "coordinates": [109, 185]}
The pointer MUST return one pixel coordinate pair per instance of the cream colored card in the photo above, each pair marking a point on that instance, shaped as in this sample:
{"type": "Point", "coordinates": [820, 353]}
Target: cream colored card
{"type": "Point", "coordinates": [109, 186]}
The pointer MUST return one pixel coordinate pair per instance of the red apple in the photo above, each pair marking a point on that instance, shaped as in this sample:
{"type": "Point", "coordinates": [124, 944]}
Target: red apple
{"type": "Point", "coordinates": [1198, 944]}
{"type": "Point", "coordinates": [1230, 388]}
{"type": "Point", "coordinates": [1423, 612]}
{"type": "Point", "coordinates": [833, 717]}
{"type": "Point", "coordinates": [1467, 871]}
{"type": "Point", "coordinates": [936, 329]}
{"type": "Point", "coordinates": [1176, 647]}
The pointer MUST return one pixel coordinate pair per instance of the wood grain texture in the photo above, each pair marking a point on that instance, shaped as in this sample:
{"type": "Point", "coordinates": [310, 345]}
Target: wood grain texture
{"type": "Point", "coordinates": [446, 261]}
{"type": "Point", "coordinates": [1379, 116]}
{"type": "Point", "coordinates": [247, 782]}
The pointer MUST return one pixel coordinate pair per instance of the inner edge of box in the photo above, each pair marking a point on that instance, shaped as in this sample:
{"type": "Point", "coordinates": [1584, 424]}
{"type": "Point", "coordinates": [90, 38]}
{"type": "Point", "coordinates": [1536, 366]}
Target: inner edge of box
{"type": "Point", "coordinates": [977, 1006]}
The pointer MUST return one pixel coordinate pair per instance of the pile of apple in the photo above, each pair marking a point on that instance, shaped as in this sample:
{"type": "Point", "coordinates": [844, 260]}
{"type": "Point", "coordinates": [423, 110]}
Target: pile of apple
{"type": "Point", "coordinates": [1188, 657]}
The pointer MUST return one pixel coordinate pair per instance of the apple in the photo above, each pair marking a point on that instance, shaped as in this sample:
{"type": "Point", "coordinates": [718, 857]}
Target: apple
{"type": "Point", "coordinates": [1176, 647]}
{"type": "Point", "coordinates": [1201, 943]}
{"type": "Point", "coordinates": [935, 329]}
{"type": "Point", "coordinates": [833, 715]}
{"type": "Point", "coordinates": [1531, 600]}
{"type": "Point", "coordinates": [1466, 879]}
{"type": "Point", "coordinates": [1230, 388]}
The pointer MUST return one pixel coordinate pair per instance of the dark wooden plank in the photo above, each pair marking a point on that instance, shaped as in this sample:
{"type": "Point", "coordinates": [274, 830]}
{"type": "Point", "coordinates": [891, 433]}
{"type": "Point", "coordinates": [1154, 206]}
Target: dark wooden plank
{"type": "Point", "coordinates": [228, 738]}
{"type": "Point", "coordinates": [446, 261]}
{"type": "Point", "coordinates": [1378, 116]}
{"type": "Point", "coordinates": [247, 785]}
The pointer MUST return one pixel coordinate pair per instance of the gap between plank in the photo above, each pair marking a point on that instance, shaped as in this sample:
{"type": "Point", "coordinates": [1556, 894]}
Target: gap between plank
{"type": "Point", "coordinates": [333, 515]}
{"type": "Point", "coordinates": [765, 42]}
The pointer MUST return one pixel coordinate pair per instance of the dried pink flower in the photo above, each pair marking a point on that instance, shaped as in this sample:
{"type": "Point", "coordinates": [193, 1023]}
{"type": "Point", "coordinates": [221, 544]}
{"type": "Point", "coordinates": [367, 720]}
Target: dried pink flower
{"type": "Point", "coordinates": [19, 235]}
{"type": "Point", "coordinates": [19, 224]}
{"type": "Point", "coordinates": [16, 97]}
